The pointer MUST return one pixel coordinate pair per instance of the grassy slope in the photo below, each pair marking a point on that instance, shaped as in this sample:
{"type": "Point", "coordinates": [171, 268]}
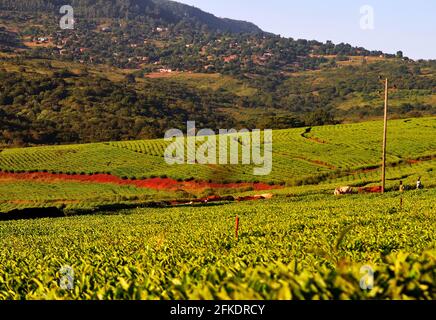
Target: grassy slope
{"type": "Point", "coordinates": [330, 155]}
{"type": "Point", "coordinates": [314, 81]}
{"type": "Point", "coordinates": [289, 247]}
{"type": "Point", "coordinates": [324, 149]}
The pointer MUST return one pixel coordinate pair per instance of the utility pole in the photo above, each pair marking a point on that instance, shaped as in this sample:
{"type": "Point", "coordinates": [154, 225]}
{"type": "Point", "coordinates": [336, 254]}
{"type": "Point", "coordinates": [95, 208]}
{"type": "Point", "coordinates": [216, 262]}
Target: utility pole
{"type": "Point", "coordinates": [385, 133]}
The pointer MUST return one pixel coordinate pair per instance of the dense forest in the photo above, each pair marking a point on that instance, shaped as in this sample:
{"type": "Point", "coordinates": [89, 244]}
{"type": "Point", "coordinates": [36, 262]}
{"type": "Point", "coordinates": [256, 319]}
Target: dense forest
{"type": "Point", "coordinates": [66, 108]}
{"type": "Point", "coordinates": [265, 80]}
{"type": "Point", "coordinates": [155, 11]}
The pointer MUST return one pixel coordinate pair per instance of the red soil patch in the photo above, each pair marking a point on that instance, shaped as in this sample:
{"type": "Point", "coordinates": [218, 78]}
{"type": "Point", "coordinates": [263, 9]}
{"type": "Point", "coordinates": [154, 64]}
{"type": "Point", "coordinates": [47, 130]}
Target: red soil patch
{"type": "Point", "coordinates": [377, 189]}
{"type": "Point", "coordinates": [152, 183]}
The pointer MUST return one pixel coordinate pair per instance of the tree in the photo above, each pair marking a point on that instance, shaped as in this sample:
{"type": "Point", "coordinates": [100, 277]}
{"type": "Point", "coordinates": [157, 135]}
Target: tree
{"type": "Point", "coordinates": [130, 78]}
{"type": "Point", "coordinates": [319, 118]}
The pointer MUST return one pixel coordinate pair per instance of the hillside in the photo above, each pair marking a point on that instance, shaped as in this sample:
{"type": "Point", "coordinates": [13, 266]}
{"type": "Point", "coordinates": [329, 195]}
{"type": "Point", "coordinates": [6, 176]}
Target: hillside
{"type": "Point", "coordinates": [156, 11]}
{"type": "Point", "coordinates": [98, 202]}
{"type": "Point", "coordinates": [132, 235]}
{"type": "Point", "coordinates": [50, 102]}
{"type": "Point", "coordinates": [134, 69]}
{"type": "Point", "coordinates": [319, 158]}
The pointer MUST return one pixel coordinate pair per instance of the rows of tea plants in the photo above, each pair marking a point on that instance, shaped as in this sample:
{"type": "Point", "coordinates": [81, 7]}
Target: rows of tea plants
{"type": "Point", "coordinates": [408, 138]}
{"type": "Point", "coordinates": [73, 195]}
{"type": "Point", "coordinates": [20, 194]}
{"type": "Point", "coordinates": [151, 147]}
{"type": "Point", "coordinates": [311, 246]}
{"type": "Point", "coordinates": [407, 173]}
{"type": "Point", "coordinates": [297, 156]}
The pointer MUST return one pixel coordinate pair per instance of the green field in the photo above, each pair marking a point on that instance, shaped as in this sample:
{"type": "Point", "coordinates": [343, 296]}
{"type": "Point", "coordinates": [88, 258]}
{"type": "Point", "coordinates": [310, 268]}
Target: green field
{"type": "Point", "coordinates": [307, 247]}
{"type": "Point", "coordinates": [304, 243]}
{"type": "Point", "coordinates": [90, 209]}
{"type": "Point", "coordinates": [322, 159]}
{"type": "Point", "coordinates": [325, 149]}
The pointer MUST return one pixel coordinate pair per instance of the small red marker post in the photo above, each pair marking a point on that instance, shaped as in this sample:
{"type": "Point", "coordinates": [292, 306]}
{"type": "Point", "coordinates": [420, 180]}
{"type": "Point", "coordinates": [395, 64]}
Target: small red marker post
{"type": "Point", "coordinates": [237, 228]}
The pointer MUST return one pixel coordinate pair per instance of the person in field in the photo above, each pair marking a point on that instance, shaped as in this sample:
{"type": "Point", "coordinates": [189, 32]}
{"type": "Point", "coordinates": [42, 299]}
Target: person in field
{"type": "Point", "coordinates": [402, 188]}
{"type": "Point", "coordinates": [419, 184]}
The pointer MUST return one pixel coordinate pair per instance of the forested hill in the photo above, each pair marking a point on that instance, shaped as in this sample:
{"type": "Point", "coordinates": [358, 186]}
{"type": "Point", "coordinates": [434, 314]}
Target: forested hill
{"type": "Point", "coordinates": [161, 11]}
{"type": "Point", "coordinates": [133, 69]}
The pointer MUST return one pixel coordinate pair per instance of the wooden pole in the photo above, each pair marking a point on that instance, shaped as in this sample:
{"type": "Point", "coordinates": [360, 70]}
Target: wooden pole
{"type": "Point", "coordinates": [237, 228]}
{"type": "Point", "coordinates": [385, 133]}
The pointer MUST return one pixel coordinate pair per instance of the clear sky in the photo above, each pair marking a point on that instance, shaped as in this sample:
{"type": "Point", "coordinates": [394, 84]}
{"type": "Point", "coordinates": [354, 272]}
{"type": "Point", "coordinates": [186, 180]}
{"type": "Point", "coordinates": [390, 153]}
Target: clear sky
{"type": "Point", "coordinates": [404, 25]}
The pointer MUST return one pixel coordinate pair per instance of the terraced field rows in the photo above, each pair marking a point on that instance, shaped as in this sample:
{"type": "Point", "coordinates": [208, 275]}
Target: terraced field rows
{"type": "Point", "coordinates": [73, 195]}
{"type": "Point", "coordinates": [295, 156]}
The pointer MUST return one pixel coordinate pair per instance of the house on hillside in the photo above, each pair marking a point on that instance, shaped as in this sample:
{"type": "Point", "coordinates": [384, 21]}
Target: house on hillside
{"type": "Point", "coordinates": [161, 29]}
{"type": "Point", "coordinates": [230, 58]}
{"type": "Point", "coordinates": [165, 70]}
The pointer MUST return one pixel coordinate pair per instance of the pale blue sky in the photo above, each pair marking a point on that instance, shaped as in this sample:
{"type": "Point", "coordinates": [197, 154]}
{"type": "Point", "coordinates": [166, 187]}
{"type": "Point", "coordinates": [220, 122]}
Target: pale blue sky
{"type": "Point", "coordinates": [404, 25]}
